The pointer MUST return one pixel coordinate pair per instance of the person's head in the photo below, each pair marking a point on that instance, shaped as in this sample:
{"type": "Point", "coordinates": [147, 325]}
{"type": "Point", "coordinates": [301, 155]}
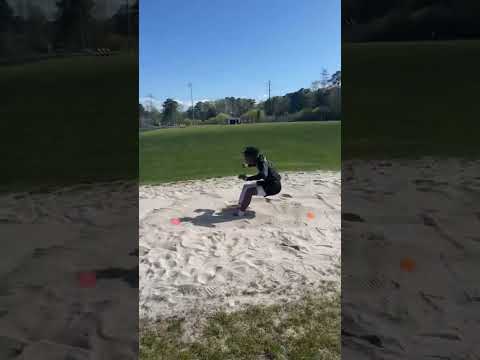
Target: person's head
{"type": "Point", "coordinates": [251, 154]}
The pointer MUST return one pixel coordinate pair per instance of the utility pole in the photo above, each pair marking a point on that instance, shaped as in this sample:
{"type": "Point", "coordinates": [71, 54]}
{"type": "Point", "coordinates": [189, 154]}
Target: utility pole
{"type": "Point", "coordinates": [150, 108]}
{"type": "Point", "coordinates": [190, 85]}
{"type": "Point", "coordinates": [128, 24]}
{"type": "Point", "coordinates": [24, 10]}
{"type": "Point", "coordinates": [269, 90]}
{"type": "Point", "coordinates": [270, 97]}
{"type": "Point", "coordinates": [150, 102]}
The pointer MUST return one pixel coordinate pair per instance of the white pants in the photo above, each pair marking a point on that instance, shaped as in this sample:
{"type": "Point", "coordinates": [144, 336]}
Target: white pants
{"type": "Point", "coordinates": [260, 191]}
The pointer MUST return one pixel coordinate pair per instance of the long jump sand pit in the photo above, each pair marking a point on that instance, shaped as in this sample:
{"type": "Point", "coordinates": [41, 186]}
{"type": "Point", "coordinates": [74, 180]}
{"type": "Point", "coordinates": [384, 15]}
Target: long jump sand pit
{"type": "Point", "coordinates": [195, 256]}
{"type": "Point", "coordinates": [410, 235]}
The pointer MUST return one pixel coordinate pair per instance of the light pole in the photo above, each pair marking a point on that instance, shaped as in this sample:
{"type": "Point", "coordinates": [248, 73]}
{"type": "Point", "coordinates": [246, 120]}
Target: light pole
{"type": "Point", "coordinates": [128, 24]}
{"type": "Point", "coordinates": [270, 97]}
{"type": "Point", "coordinates": [191, 98]}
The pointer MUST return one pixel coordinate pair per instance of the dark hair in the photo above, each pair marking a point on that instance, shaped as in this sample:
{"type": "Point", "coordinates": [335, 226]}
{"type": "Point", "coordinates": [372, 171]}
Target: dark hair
{"type": "Point", "coordinates": [251, 151]}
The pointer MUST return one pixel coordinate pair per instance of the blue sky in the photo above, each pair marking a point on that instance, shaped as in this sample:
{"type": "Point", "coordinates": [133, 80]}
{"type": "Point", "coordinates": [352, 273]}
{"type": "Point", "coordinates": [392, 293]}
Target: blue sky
{"type": "Point", "coordinates": [233, 47]}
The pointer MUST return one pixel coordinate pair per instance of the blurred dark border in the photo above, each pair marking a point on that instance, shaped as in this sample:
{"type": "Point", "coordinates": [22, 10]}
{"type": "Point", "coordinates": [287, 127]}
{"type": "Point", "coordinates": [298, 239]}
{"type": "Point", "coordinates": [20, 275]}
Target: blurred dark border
{"type": "Point", "coordinates": [411, 20]}
{"type": "Point", "coordinates": [409, 178]}
{"type": "Point", "coordinates": [69, 179]}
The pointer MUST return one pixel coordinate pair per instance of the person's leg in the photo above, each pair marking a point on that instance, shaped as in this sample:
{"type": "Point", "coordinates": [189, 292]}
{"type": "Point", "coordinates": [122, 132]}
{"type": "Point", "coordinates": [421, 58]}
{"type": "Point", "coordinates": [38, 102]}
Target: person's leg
{"type": "Point", "coordinates": [247, 198]}
{"type": "Point", "coordinates": [261, 189]}
{"type": "Point", "coordinates": [272, 189]}
{"type": "Point", "coordinates": [244, 191]}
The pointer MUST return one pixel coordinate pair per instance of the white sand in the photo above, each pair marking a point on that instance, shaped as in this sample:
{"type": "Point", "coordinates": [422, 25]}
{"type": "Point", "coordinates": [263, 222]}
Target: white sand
{"type": "Point", "coordinates": [213, 260]}
{"type": "Point", "coordinates": [430, 213]}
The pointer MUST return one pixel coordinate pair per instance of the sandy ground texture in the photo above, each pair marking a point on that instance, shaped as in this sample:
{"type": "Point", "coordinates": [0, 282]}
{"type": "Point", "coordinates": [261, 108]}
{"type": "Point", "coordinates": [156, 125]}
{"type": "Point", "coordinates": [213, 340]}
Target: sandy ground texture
{"type": "Point", "coordinates": [47, 240]}
{"type": "Point", "coordinates": [195, 256]}
{"type": "Point", "coordinates": [410, 246]}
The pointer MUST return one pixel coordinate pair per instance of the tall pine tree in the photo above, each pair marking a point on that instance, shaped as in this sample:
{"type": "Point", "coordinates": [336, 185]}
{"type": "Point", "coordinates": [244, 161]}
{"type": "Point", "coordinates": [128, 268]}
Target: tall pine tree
{"type": "Point", "coordinates": [6, 16]}
{"type": "Point", "coordinates": [73, 21]}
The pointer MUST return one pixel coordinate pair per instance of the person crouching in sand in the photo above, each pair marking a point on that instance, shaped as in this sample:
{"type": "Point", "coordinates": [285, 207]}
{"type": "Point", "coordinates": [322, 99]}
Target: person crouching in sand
{"type": "Point", "coordinates": [267, 181]}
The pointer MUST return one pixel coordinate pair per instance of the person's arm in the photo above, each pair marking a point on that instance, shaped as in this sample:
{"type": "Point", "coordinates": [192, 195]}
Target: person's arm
{"type": "Point", "coordinates": [254, 177]}
{"type": "Point", "coordinates": [262, 174]}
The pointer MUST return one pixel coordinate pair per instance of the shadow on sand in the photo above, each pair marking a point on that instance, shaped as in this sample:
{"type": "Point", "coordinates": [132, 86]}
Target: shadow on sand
{"type": "Point", "coordinates": [209, 218]}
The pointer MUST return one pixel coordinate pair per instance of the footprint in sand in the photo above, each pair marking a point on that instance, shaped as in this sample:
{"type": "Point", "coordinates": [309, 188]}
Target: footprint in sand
{"type": "Point", "coordinates": [374, 283]}
{"type": "Point", "coordinates": [172, 263]}
{"type": "Point", "coordinates": [210, 291]}
{"type": "Point", "coordinates": [202, 278]}
{"type": "Point", "coordinates": [319, 197]}
{"type": "Point", "coordinates": [187, 289]}
{"type": "Point", "coordinates": [296, 247]}
{"type": "Point", "coordinates": [350, 217]}
{"type": "Point", "coordinates": [259, 263]}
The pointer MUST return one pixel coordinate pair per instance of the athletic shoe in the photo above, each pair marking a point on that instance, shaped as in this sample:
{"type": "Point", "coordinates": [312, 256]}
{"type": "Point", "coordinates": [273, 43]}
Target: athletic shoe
{"type": "Point", "coordinates": [239, 213]}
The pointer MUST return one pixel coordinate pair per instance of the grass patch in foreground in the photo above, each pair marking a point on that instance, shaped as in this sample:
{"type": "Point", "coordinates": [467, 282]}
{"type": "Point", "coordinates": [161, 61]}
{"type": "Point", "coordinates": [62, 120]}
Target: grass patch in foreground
{"type": "Point", "coordinates": [169, 155]}
{"type": "Point", "coordinates": [308, 329]}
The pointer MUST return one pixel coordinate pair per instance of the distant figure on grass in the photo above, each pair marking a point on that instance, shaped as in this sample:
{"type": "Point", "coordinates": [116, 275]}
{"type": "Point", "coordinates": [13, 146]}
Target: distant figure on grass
{"type": "Point", "coordinates": [267, 181]}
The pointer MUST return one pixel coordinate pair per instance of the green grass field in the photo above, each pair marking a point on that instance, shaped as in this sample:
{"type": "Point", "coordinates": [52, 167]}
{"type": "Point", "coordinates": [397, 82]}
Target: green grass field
{"type": "Point", "coordinates": [69, 120]}
{"type": "Point", "coordinates": [73, 120]}
{"type": "Point", "coordinates": [214, 151]}
{"type": "Point", "coordinates": [410, 99]}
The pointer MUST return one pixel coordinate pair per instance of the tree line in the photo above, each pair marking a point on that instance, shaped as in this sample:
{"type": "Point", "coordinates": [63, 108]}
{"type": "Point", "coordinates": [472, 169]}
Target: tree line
{"type": "Point", "coordinates": [322, 101]}
{"type": "Point", "coordinates": [379, 20]}
{"type": "Point", "coordinates": [76, 25]}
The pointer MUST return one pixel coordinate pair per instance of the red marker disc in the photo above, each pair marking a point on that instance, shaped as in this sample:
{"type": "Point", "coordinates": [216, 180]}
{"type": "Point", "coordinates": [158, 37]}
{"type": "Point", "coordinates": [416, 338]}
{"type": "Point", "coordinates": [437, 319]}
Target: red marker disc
{"type": "Point", "coordinates": [87, 279]}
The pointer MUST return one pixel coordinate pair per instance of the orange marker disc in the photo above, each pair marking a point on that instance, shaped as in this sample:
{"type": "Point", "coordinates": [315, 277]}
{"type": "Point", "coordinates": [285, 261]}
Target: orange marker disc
{"type": "Point", "coordinates": [407, 264]}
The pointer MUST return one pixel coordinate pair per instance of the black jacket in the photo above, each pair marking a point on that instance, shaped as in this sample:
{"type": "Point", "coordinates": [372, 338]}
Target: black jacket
{"type": "Point", "coordinates": [266, 172]}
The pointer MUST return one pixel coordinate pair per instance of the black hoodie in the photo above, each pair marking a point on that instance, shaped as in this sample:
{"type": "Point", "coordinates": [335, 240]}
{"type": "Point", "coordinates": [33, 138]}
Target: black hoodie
{"type": "Point", "coordinates": [266, 172]}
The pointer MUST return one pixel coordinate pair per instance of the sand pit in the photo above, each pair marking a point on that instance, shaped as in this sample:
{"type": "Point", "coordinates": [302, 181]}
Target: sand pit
{"type": "Point", "coordinates": [410, 242]}
{"type": "Point", "coordinates": [48, 239]}
{"type": "Point", "coordinates": [196, 256]}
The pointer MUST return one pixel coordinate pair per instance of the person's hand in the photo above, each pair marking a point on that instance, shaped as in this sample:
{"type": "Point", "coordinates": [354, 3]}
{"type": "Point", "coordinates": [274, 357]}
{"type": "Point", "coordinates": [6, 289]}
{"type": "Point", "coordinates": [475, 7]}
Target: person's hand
{"type": "Point", "coordinates": [242, 177]}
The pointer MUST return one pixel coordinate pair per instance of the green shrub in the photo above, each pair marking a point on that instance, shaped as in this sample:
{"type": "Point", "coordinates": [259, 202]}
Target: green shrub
{"type": "Point", "coordinates": [220, 119]}
{"type": "Point", "coordinates": [253, 116]}
{"type": "Point", "coordinates": [317, 114]}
